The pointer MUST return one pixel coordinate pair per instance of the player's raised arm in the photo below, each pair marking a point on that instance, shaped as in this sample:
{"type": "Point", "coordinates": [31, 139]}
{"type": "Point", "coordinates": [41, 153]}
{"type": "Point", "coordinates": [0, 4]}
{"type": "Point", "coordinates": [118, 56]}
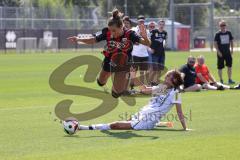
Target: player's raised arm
{"type": "Point", "coordinates": [143, 32]}
{"type": "Point", "coordinates": [99, 36]}
{"type": "Point", "coordinates": [88, 40]}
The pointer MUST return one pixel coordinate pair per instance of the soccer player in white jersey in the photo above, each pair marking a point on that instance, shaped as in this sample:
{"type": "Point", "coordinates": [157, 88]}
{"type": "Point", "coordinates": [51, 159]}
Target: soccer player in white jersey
{"type": "Point", "coordinates": [164, 97]}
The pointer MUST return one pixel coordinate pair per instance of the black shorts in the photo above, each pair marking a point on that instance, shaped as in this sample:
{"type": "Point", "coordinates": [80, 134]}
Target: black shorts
{"type": "Point", "coordinates": [225, 58]}
{"type": "Point", "coordinates": [109, 66]}
{"type": "Point", "coordinates": [158, 59]}
{"type": "Point", "coordinates": [158, 62]}
{"type": "Point", "coordinates": [140, 62]}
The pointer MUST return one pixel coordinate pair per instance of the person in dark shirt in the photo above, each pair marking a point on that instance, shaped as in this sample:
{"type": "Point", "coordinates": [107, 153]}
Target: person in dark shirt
{"type": "Point", "coordinates": [189, 75]}
{"type": "Point", "coordinates": [117, 51]}
{"type": "Point", "coordinates": [223, 41]}
{"type": "Point", "coordinates": [158, 38]}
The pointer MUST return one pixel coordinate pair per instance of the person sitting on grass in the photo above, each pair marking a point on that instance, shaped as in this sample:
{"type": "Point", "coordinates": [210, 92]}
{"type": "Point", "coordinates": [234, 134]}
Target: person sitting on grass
{"type": "Point", "coordinates": [205, 78]}
{"type": "Point", "coordinates": [164, 97]}
{"type": "Point", "coordinates": [189, 75]}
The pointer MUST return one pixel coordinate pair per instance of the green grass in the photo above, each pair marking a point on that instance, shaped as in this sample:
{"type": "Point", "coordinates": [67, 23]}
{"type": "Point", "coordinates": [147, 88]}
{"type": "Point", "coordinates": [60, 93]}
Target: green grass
{"type": "Point", "coordinates": [28, 129]}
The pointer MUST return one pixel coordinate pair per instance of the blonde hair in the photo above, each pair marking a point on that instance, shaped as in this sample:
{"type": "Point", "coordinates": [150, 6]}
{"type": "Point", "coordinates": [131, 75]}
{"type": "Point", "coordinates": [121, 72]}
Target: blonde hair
{"type": "Point", "coordinates": [201, 57]}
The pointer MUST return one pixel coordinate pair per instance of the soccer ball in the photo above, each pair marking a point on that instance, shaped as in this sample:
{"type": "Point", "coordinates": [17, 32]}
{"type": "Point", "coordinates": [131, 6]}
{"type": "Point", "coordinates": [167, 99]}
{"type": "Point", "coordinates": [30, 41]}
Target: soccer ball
{"type": "Point", "coordinates": [70, 126]}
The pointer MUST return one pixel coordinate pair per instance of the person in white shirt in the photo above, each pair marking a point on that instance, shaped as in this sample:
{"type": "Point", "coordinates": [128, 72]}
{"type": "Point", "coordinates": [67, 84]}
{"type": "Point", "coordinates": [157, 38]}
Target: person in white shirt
{"type": "Point", "coordinates": [164, 97]}
{"type": "Point", "coordinates": [140, 56]}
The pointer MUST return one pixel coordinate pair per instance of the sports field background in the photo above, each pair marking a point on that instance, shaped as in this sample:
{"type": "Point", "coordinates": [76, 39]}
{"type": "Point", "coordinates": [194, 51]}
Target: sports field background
{"type": "Point", "coordinates": [29, 130]}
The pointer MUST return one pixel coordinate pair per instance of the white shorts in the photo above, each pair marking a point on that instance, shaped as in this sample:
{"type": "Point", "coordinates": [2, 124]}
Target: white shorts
{"type": "Point", "coordinates": [142, 121]}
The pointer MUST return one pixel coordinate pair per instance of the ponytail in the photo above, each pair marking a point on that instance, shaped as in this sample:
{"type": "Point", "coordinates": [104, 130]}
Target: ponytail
{"type": "Point", "coordinates": [116, 19]}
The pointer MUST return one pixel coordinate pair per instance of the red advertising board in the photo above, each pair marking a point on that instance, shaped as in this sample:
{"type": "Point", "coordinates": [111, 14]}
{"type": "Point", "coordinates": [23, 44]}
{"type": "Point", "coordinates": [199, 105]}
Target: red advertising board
{"type": "Point", "coordinates": [183, 39]}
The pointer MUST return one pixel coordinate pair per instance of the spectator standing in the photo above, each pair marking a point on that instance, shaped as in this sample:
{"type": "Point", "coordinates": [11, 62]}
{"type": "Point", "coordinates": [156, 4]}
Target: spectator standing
{"type": "Point", "coordinates": [158, 38]}
{"type": "Point", "coordinates": [223, 41]}
{"type": "Point", "coordinates": [139, 56]}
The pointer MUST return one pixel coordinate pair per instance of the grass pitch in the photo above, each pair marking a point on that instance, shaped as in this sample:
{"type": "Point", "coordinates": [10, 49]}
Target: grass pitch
{"type": "Point", "coordinates": [29, 129]}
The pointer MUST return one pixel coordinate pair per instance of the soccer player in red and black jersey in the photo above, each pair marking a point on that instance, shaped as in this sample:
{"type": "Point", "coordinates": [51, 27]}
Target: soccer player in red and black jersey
{"type": "Point", "coordinates": [117, 51]}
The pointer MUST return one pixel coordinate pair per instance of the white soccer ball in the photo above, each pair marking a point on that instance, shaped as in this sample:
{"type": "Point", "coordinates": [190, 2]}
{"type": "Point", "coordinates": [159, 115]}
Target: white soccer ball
{"type": "Point", "coordinates": [70, 126]}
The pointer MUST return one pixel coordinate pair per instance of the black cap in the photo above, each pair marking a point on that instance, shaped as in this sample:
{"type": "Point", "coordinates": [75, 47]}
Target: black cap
{"type": "Point", "coordinates": [141, 17]}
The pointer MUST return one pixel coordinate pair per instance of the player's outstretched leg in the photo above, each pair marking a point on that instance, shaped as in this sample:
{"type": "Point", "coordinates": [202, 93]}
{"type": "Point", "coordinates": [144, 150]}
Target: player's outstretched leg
{"type": "Point", "coordinates": [122, 125]}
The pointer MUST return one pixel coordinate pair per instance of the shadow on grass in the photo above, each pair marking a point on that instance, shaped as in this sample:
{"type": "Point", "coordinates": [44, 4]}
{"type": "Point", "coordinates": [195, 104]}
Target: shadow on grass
{"type": "Point", "coordinates": [72, 136]}
{"type": "Point", "coordinates": [126, 135]}
{"type": "Point", "coordinates": [167, 129]}
{"type": "Point", "coordinates": [120, 135]}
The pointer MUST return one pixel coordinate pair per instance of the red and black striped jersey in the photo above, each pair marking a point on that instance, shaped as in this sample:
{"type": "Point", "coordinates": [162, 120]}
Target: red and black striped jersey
{"type": "Point", "coordinates": [120, 45]}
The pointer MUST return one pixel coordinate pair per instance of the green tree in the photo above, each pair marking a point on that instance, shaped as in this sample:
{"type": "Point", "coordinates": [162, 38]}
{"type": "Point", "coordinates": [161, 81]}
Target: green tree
{"type": "Point", "coordinates": [10, 3]}
{"type": "Point", "coordinates": [79, 3]}
{"type": "Point", "coordinates": [183, 14]}
{"type": "Point", "coordinates": [149, 8]}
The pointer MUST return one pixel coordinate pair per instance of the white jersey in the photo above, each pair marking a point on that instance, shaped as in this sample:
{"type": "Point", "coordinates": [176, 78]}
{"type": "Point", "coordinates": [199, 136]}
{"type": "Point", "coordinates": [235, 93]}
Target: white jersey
{"type": "Point", "coordinates": [162, 103]}
{"type": "Point", "coordinates": [157, 107]}
{"type": "Point", "coordinates": [140, 50]}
